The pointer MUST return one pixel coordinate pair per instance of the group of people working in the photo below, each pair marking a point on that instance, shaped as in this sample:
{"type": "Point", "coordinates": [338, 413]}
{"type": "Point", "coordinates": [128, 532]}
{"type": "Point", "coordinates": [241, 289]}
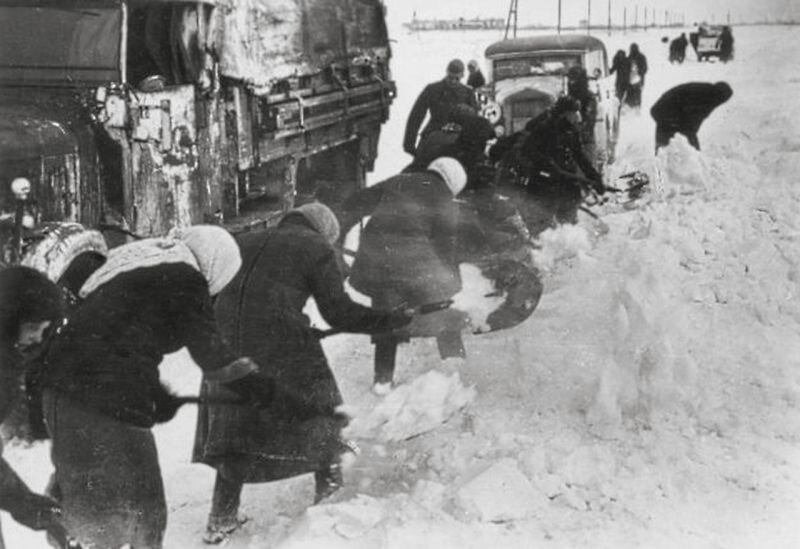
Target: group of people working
{"type": "Point", "coordinates": [269, 401]}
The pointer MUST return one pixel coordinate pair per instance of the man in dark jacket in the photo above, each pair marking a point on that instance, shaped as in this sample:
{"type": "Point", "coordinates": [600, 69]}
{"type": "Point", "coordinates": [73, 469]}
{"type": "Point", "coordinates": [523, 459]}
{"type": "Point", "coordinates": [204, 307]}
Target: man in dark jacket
{"type": "Point", "coordinates": [438, 100]}
{"type": "Point", "coordinates": [637, 65]}
{"type": "Point", "coordinates": [475, 79]}
{"type": "Point", "coordinates": [31, 307]}
{"type": "Point", "coordinates": [408, 254]}
{"type": "Point", "coordinates": [578, 88]}
{"type": "Point", "coordinates": [102, 391]}
{"type": "Point", "coordinates": [559, 170]}
{"type": "Point", "coordinates": [261, 314]}
{"type": "Point", "coordinates": [463, 138]}
{"type": "Point", "coordinates": [683, 109]}
{"type": "Point", "coordinates": [677, 49]}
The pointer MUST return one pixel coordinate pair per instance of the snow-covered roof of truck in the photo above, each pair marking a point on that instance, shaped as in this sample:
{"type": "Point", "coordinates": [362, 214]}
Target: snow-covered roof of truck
{"type": "Point", "coordinates": [555, 42]}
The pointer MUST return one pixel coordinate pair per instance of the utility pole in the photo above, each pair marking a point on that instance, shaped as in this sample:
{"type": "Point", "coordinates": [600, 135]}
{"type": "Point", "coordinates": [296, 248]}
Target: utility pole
{"type": "Point", "coordinates": [635, 16]}
{"type": "Point", "coordinates": [559, 16]}
{"type": "Point", "coordinates": [645, 18]}
{"type": "Point", "coordinates": [512, 15]}
{"type": "Point", "coordinates": [589, 16]}
{"type": "Point", "coordinates": [624, 19]}
{"type": "Point", "coordinates": [609, 17]}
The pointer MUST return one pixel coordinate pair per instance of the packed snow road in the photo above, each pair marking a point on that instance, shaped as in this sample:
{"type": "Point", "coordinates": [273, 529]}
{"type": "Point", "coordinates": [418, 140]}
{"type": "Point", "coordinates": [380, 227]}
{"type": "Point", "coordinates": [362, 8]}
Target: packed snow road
{"type": "Point", "coordinates": [653, 398]}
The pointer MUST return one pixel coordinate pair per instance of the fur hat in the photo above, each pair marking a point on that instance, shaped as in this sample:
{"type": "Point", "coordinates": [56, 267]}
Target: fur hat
{"type": "Point", "coordinates": [27, 296]}
{"type": "Point", "coordinates": [451, 171]}
{"type": "Point", "coordinates": [216, 252]}
{"type": "Point", "coordinates": [321, 218]}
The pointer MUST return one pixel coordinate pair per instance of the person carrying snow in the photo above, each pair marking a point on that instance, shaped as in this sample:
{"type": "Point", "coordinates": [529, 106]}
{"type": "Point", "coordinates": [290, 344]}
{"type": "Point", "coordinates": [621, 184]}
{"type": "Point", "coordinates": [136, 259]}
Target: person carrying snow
{"type": "Point", "coordinates": [261, 314]}
{"type": "Point", "coordinates": [32, 309]}
{"type": "Point", "coordinates": [101, 381]}
{"type": "Point", "coordinates": [437, 101]}
{"type": "Point", "coordinates": [408, 254]}
{"type": "Point", "coordinates": [683, 109]}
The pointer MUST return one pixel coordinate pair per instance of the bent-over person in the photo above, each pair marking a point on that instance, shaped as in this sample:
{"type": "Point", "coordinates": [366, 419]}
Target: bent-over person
{"type": "Point", "coordinates": [102, 392]}
{"type": "Point", "coordinates": [261, 314]}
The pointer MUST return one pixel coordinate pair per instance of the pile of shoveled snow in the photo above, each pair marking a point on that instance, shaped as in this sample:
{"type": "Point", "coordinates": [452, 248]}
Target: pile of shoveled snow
{"type": "Point", "coordinates": [413, 409]}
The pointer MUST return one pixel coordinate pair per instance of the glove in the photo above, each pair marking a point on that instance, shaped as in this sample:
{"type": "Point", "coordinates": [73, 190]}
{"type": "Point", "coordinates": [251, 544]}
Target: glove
{"type": "Point", "coordinates": [257, 389]}
{"type": "Point", "coordinates": [400, 318]}
{"type": "Point", "coordinates": [37, 512]}
{"type": "Point", "coordinates": [166, 404]}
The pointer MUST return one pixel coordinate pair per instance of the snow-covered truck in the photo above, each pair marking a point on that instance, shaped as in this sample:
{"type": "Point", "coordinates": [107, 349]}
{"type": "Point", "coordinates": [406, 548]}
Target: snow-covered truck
{"type": "Point", "coordinates": [135, 116]}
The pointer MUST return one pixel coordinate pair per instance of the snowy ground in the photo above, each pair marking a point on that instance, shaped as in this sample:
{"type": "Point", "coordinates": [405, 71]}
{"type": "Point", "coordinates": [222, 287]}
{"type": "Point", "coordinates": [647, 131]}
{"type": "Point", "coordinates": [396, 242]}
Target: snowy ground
{"type": "Point", "coordinates": [651, 401]}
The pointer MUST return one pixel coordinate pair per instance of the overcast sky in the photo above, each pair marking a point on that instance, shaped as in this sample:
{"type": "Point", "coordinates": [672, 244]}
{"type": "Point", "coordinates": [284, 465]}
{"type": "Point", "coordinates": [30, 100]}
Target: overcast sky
{"type": "Point", "coordinates": [545, 11]}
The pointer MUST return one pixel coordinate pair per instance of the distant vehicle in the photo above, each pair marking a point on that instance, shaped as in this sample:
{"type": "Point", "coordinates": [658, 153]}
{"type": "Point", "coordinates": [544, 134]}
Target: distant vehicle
{"type": "Point", "coordinates": [137, 116]}
{"type": "Point", "coordinates": [706, 42]}
{"type": "Point", "coordinates": [526, 76]}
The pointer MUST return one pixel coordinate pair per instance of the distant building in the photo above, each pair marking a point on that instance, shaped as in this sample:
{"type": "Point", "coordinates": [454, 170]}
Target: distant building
{"type": "Point", "coordinates": [476, 23]}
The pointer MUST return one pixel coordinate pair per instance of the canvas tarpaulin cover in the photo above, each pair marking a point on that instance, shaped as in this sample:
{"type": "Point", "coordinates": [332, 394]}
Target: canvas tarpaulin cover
{"type": "Point", "coordinates": [261, 41]}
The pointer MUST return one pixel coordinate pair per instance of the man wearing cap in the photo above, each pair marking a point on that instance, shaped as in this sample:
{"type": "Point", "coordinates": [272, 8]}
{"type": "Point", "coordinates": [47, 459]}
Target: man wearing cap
{"type": "Point", "coordinates": [408, 253]}
{"type": "Point", "coordinates": [559, 170]}
{"type": "Point", "coordinates": [102, 392]}
{"type": "Point", "coordinates": [475, 79]}
{"type": "Point", "coordinates": [261, 315]}
{"type": "Point", "coordinates": [437, 101]}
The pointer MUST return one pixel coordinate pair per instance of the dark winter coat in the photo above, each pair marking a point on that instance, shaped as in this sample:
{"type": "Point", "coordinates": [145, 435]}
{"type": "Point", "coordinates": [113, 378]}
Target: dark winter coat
{"type": "Point", "coordinates": [25, 295]}
{"type": "Point", "coordinates": [621, 67]}
{"type": "Point", "coordinates": [683, 109]}
{"type": "Point", "coordinates": [107, 355]}
{"type": "Point", "coordinates": [639, 60]}
{"type": "Point", "coordinates": [464, 140]}
{"type": "Point", "coordinates": [437, 100]}
{"type": "Point", "coordinates": [476, 79]}
{"type": "Point", "coordinates": [409, 247]}
{"type": "Point", "coordinates": [580, 90]}
{"type": "Point", "coordinates": [261, 314]}
{"type": "Point", "coordinates": [554, 142]}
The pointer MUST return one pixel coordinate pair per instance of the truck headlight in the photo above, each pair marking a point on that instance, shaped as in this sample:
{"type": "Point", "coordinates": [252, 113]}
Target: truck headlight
{"type": "Point", "coordinates": [21, 187]}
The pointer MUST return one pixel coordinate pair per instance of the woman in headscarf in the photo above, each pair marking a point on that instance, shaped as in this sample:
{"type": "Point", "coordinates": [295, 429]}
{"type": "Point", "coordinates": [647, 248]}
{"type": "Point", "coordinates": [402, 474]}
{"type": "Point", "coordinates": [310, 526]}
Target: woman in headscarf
{"type": "Point", "coordinates": [102, 390]}
{"type": "Point", "coordinates": [261, 314]}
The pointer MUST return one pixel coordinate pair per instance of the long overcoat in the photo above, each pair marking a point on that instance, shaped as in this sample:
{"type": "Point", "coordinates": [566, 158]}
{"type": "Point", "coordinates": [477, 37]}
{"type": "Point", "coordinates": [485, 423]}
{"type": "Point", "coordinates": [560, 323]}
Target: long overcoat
{"type": "Point", "coordinates": [409, 248]}
{"type": "Point", "coordinates": [260, 314]}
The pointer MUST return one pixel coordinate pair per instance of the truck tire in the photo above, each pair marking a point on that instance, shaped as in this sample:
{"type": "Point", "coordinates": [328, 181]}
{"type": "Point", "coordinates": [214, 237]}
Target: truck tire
{"type": "Point", "coordinates": [68, 254]}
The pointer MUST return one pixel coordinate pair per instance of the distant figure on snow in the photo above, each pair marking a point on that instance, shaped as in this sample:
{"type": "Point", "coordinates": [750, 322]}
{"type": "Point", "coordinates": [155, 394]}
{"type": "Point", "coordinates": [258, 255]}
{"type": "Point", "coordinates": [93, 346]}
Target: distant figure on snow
{"type": "Point", "coordinates": [438, 100]}
{"type": "Point", "coordinates": [621, 67]}
{"type": "Point", "coordinates": [683, 108]}
{"type": "Point", "coordinates": [725, 44]}
{"type": "Point", "coordinates": [677, 49]}
{"type": "Point", "coordinates": [637, 71]}
{"type": "Point", "coordinates": [475, 79]}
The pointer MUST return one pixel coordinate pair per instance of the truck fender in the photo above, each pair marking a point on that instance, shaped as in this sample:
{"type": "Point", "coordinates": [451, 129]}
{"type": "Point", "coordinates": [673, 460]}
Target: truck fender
{"type": "Point", "coordinates": [68, 253]}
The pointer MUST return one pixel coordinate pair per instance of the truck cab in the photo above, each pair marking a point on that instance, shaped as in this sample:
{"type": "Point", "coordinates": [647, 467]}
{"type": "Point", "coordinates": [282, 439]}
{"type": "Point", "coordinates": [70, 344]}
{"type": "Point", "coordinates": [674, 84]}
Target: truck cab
{"type": "Point", "coordinates": [526, 76]}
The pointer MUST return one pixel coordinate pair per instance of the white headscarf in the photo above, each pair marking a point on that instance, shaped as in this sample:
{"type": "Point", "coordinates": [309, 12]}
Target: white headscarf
{"type": "Point", "coordinates": [216, 252]}
{"type": "Point", "coordinates": [209, 249]}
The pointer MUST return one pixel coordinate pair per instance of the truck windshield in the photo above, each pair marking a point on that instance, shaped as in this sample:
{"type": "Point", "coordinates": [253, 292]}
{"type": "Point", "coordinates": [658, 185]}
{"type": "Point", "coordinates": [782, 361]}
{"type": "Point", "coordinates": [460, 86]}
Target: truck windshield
{"type": "Point", "coordinates": [539, 65]}
{"type": "Point", "coordinates": [55, 46]}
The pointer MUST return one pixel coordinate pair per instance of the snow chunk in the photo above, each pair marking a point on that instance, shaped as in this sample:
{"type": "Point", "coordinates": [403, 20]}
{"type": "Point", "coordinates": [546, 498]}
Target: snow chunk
{"type": "Point", "coordinates": [563, 242]}
{"type": "Point", "coordinates": [413, 409]}
{"type": "Point", "coordinates": [500, 493]}
{"type": "Point", "coordinates": [477, 297]}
